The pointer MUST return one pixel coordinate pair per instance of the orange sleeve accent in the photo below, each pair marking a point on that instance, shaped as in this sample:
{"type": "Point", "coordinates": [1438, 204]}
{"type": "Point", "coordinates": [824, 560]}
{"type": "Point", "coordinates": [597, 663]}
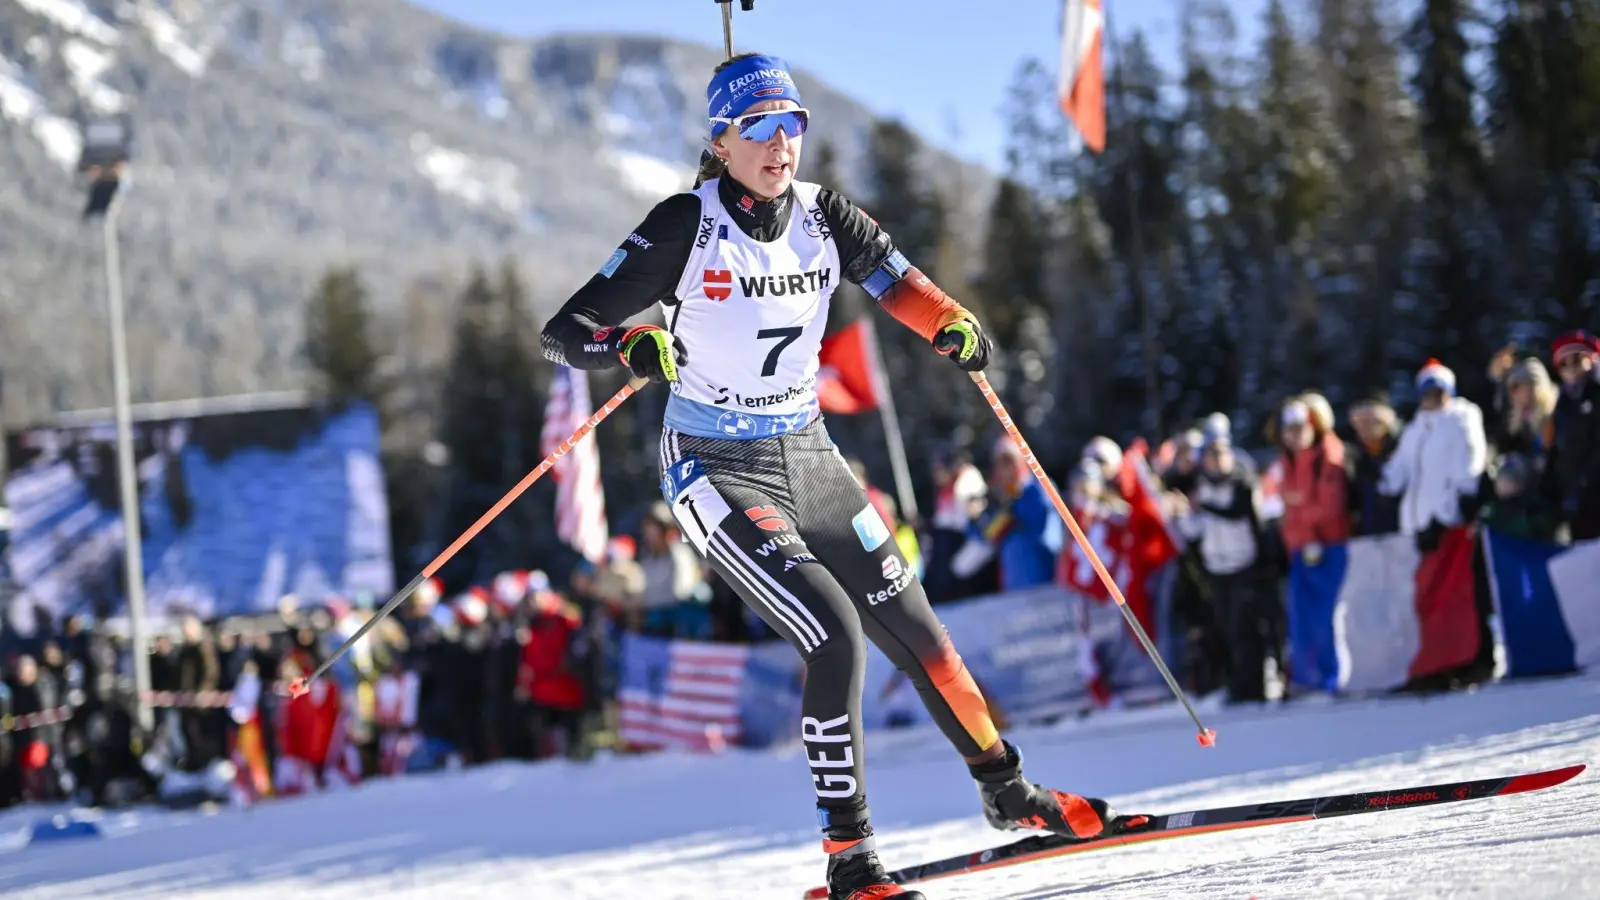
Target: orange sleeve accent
{"type": "Point", "coordinates": [921, 306]}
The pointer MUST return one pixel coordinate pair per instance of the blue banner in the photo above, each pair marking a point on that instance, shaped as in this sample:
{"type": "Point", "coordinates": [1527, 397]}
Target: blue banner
{"type": "Point", "coordinates": [1533, 630]}
{"type": "Point", "coordinates": [237, 509]}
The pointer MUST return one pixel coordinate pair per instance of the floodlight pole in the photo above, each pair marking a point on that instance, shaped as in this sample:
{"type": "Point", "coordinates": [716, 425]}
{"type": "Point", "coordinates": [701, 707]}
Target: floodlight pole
{"type": "Point", "coordinates": [127, 476]}
{"type": "Point", "coordinates": [106, 145]}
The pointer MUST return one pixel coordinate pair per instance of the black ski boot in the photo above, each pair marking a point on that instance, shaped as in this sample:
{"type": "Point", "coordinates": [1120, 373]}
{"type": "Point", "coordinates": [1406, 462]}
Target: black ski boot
{"type": "Point", "coordinates": [1012, 803]}
{"type": "Point", "coordinates": [854, 872]}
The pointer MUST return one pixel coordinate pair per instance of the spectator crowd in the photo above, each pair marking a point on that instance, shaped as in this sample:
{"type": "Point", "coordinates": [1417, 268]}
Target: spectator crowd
{"type": "Point", "coordinates": [520, 668]}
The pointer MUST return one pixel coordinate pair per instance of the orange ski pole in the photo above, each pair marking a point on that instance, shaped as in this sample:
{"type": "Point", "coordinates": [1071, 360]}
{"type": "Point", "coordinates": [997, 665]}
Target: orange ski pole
{"type": "Point", "coordinates": [1207, 737]}
{"type": "Point", "coordinates": [301, 685]}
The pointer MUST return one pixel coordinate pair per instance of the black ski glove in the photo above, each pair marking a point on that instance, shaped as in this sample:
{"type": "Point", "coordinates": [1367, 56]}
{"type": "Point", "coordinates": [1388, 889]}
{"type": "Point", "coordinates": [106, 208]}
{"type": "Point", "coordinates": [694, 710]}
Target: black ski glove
{"type": "Point", "coordinates": [652, 352]}
{"type": "Point", "coordinates": [964, 342]}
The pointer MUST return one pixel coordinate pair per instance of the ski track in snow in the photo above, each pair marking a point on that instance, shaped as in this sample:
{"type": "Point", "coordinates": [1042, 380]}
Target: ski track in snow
{"type": "Point", "coordinates": [674, 827]}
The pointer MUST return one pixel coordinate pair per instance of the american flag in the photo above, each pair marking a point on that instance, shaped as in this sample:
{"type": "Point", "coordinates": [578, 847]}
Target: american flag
{"type": "Point", "coordinates": [680, 694]}
{"type": "Point", "coordinates": [580, 503]}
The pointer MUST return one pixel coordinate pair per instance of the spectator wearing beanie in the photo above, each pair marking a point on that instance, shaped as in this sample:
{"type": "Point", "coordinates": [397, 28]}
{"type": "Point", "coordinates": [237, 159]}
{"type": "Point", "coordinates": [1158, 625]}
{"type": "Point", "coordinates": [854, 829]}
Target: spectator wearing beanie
{"type": "Point", "coordinates": [1224, 521]}
{"type": "Point", "coordinates": [1377, 430]}
{"type": "Point", "coordinates": [1441, 456]}
{"type": "Point", "coordinates": [1573, 469]}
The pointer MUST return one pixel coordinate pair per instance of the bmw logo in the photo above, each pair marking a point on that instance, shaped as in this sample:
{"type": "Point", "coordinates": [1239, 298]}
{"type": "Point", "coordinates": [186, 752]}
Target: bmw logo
{"type": "Point", "coordinates": [735, 424]}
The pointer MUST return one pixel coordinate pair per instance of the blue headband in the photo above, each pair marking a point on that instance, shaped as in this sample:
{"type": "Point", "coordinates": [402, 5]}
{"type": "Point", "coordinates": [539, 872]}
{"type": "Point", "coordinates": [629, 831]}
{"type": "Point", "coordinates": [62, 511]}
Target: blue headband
{"type": "Point", "coordinates": [746, 83]}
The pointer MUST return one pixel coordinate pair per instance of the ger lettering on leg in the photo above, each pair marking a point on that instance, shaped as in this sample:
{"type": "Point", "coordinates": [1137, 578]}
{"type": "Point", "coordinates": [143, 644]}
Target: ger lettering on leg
{"type": "Point", "coordinates": [830, 784]}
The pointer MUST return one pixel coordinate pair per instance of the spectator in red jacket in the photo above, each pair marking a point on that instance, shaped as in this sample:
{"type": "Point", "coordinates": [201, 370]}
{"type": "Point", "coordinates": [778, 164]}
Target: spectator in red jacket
{"type": "Point", "coordinates": [1315, 513]}
{"type": "Point", "coordinates": [546, 678]}
{"type": "Point", "coordinates": [1315, 524]}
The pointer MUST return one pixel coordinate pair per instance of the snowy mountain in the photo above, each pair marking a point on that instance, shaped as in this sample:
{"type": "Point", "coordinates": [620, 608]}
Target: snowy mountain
{"type": "Point", "coordinates": [276, 136]}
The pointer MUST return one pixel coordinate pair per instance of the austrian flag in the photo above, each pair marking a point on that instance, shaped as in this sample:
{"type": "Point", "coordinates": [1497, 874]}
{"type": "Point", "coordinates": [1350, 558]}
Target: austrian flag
{"type": "Point", "coordinates": [1081, 88]}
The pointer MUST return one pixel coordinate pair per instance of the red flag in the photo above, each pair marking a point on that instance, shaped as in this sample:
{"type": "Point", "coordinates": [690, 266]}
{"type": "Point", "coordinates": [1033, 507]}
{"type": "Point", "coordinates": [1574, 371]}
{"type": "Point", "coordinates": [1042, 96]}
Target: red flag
{"type": "Point", "coordinates": [1081, 87]}
{"type": "Point", "coordinates": [847, 383]}
{"type": "Point", "coordinates": [1154, 543]}
{"type": "Point", "coordinates": [580, 502]}
{"type": "Point", "coordinates": [1446, 605]}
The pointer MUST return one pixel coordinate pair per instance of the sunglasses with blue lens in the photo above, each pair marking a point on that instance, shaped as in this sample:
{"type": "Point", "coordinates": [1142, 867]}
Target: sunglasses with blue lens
{"type": "Point", "coordinates": [761, 126]}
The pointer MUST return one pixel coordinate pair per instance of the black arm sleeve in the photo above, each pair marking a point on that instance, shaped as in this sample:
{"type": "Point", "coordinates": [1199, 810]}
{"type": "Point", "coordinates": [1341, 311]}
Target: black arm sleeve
{"type": "Point", "coordinates": [644, 270]}
{"type": "Point", "coordinates": [863, 245]}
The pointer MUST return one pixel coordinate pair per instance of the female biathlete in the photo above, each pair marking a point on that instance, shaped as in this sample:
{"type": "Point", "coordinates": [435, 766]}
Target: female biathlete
{"type": "Point", "coordinates": [744, 267]}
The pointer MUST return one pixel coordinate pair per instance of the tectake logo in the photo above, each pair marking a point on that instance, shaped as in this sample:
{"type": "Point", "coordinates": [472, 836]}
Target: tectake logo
{"type": "Point", "coordinates": [899, 578]}
{"type": "Point", "coordinates": [719, 284]}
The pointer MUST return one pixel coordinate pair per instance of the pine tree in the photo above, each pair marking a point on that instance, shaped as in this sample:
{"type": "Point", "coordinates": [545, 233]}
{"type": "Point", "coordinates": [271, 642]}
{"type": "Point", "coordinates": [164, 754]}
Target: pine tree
{"type": "Point", "coordinates": [901, 199]}
{"type": "Point", "coordinates": [1013, 261]}
{"type": "Point", "coordinates": [1353, 322]}
{"type": "Point", "coordinates": [1220, 153]}
{"type": "Point", "coordinates": [933, 408]}
{"type": "Point", "coordinates": [492, 414]}
{"type": "Point", "coordinates": [1544, 101]}
{"type": "Point", "coordinates": [1133, 182]}
{"type": "Point", "coordinates": [1460, 268]}
{"type": "Point", "coordinates": [341, 346]}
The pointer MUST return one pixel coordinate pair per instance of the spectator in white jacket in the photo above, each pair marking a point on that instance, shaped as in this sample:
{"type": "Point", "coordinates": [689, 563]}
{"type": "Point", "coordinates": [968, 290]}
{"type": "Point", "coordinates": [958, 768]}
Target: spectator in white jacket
{"type": "Point", "coordinates": [1441, 456]}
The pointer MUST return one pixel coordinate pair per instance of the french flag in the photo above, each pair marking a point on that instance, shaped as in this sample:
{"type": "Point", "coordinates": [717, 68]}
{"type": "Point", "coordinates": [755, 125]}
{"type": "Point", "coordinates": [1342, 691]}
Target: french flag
{"type": "Point", "coordinates": [1545, 597]}
{"type": "Point", "coordinates": [1374, 614]}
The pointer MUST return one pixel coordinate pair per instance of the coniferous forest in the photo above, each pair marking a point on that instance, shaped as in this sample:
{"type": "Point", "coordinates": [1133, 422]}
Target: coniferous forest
{"type": "Point", "coordinates": [1324, 208]}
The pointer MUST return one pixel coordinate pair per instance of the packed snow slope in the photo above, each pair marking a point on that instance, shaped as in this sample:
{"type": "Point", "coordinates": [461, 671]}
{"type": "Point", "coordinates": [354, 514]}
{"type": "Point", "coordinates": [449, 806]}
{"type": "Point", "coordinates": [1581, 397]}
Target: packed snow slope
{"type": "Point", "coordinates": [740, 825]}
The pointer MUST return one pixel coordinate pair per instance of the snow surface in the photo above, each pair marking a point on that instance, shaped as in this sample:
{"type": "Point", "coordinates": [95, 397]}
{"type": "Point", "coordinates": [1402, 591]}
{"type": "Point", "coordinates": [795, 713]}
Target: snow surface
{"type": "Point", "coordinates": [88, 66]}
{"type": "Point", "coordinates": [301, 50]}
{"type": "Point", "coordinates": [678, 827]}
{"type": "Point", "coordinates": [74, 17]}
{"type": "Point", "coordinates": [172, 40]}
{"type": "Point", "coordinates": [650, 176]}
{"type": "Point", "coordinates": [478, 181]}
{"type": "Point", "coordinates": [22, 104]}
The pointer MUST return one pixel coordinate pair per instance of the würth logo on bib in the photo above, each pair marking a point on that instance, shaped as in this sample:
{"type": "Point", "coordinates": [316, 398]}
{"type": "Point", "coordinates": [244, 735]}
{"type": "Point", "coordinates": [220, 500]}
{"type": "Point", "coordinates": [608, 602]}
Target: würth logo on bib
{"type": "Point", "coordinates": [719, 284]}
{"type": "Point", "coordinates": [767, 518]}
{"type": "Point", "coordinates": [784, 285]}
